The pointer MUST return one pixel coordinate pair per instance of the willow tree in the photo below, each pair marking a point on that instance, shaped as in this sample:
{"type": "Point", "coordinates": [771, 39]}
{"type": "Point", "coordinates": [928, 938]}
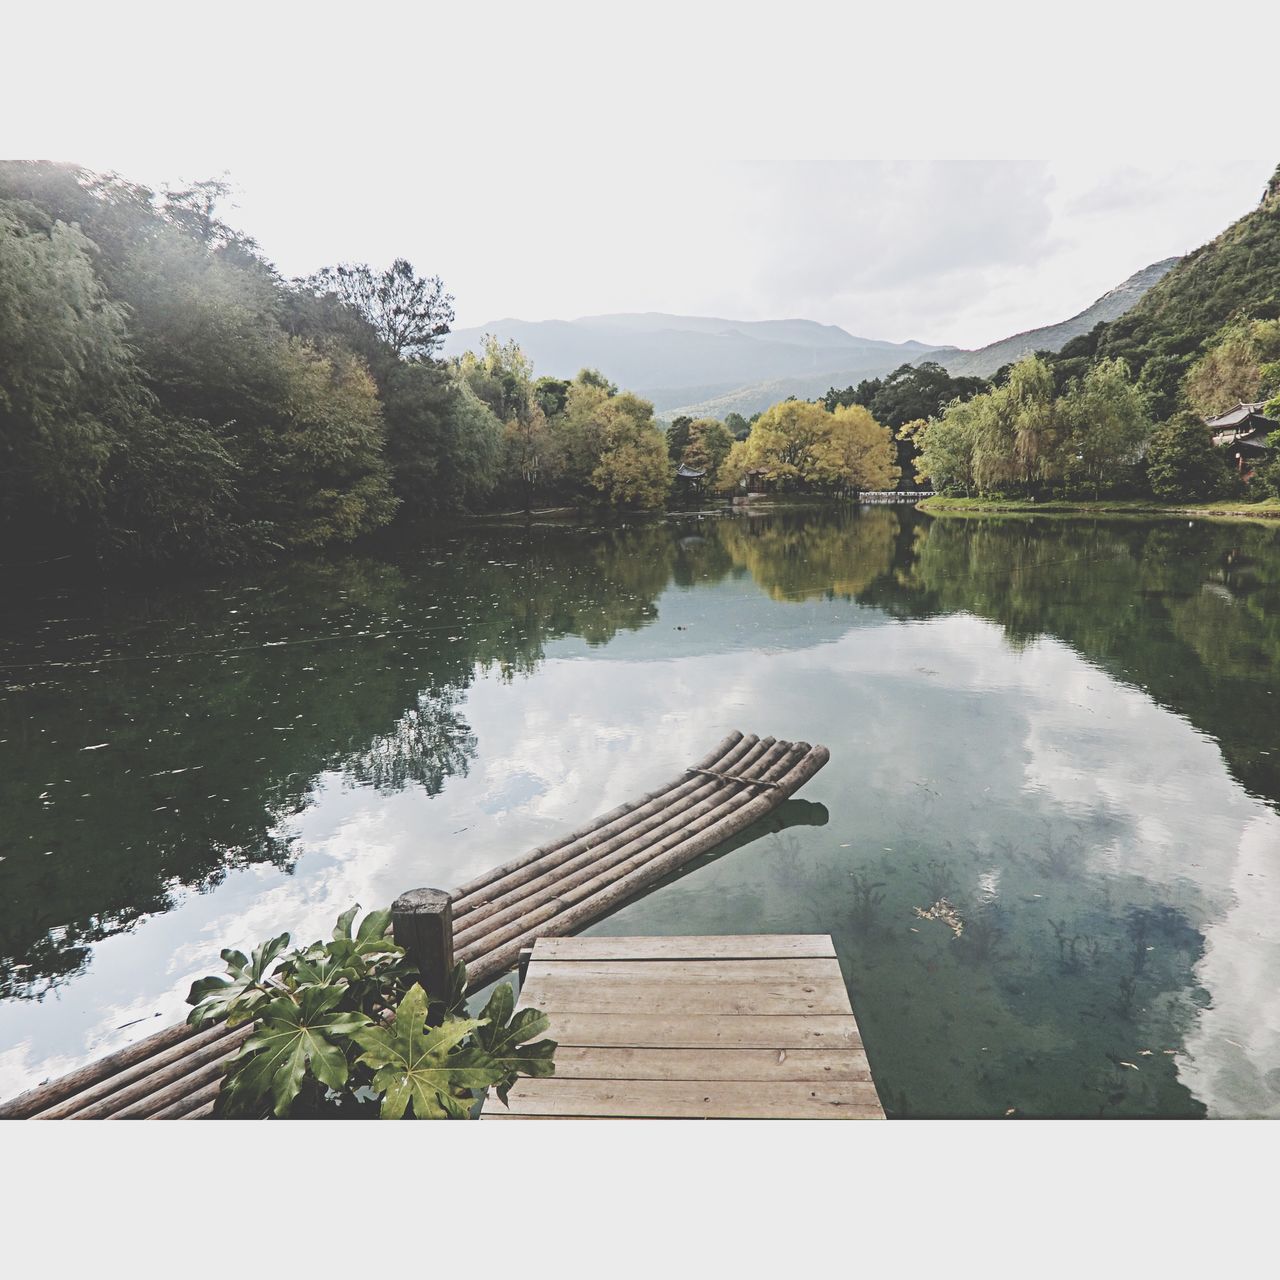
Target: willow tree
{"type": "Point", "coordinates": [945, 448]}
{"type": "Point", "coordinates": [1018, 432]}
{"type": "Point", "coordinates": [1108, 422]}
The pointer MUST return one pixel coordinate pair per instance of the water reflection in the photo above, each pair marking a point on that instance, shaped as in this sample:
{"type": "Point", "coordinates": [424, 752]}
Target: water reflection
{"type": "Point", "coordinates": [1050, 861]}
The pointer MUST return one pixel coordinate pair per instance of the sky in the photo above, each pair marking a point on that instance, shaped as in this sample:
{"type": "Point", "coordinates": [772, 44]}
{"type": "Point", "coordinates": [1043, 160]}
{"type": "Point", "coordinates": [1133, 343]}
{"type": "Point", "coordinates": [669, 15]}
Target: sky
{"type": "Point", "coordinates": [953, 174]}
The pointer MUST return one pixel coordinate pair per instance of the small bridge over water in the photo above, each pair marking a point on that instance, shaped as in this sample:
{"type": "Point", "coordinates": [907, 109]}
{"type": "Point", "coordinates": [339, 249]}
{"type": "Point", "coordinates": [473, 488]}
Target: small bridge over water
{"type": "Point", "coordinates": [894, 495]}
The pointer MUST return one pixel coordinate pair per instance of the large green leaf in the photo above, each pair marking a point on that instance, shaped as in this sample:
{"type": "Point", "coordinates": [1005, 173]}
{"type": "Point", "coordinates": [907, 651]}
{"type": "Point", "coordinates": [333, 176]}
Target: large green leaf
{"type": "Point", "coordinates": [428, 1068]}
{"type": "Point", "coordinates": [506, 1039]}
{"type": "Point", "coordinates": [238, 996]}
{"type": "Point", "coordinates": [294, 1035]}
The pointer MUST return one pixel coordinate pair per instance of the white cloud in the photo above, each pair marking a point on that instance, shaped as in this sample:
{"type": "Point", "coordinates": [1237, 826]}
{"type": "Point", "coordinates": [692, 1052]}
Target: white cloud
{"type": "Point", "coordinates": [949, 174]}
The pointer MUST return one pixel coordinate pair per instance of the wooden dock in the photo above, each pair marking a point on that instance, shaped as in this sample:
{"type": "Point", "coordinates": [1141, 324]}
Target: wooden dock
{"type": "Point", "coordinates": [753, 1027]}
{"type": "Point", "coordinates": [176, 1072]}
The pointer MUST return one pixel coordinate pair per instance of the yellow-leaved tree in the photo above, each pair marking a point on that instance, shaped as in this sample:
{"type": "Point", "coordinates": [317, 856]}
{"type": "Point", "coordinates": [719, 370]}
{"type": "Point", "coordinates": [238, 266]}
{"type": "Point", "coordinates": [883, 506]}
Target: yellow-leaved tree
{"type": "Point", "coordinates": [855, 452]}
{"type": "Point", "coordinates": [799, 445]}
{"type": "Point", "coordinates": [613, 446]}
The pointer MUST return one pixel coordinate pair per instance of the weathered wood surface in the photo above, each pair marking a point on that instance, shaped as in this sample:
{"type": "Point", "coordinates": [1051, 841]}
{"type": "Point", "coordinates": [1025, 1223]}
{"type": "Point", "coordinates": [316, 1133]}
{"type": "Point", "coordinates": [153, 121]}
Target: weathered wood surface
{"type": "Point", "coordinates": [552, 890]}
{"type": "Point", "coordinates": [752, 1027]}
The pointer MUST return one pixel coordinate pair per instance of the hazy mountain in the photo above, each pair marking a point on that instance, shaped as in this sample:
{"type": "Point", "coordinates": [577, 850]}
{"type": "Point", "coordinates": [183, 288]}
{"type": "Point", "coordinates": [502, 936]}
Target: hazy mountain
{"type": "Point", "coordinates": [708, 366]}
{"type": "Point", "coordinates": [672, 360]}
{"type": "Point", "coordinates": [1053, 337]}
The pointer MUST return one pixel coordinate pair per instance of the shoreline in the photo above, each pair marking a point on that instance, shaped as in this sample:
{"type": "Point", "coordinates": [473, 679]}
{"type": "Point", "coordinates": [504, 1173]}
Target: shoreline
{"type": "Point", "coordinates": [1266, 511]}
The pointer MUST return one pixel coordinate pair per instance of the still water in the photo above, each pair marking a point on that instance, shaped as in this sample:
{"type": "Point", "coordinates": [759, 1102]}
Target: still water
{"type": "Point", "coordinates": [1065, 732]}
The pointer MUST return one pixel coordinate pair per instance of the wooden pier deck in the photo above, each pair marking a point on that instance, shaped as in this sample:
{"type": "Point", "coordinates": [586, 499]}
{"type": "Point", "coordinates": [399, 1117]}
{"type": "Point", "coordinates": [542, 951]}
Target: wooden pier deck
{"type": "Point", "coordinates": [753, 1027]}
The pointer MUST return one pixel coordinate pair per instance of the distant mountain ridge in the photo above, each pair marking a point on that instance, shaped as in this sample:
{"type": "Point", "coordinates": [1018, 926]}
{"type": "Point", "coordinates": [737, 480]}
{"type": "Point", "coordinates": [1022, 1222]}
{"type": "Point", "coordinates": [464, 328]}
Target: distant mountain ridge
{"type": "Point", "coordinates": [672, 359]}
{"type": "Point", "coordinates": [984, 361]}
{"type": "Point", "coordinates": [708, 366]}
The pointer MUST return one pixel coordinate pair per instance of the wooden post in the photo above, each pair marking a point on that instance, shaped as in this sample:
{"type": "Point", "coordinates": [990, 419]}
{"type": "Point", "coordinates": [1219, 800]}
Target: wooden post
{"type": "Point", "coordinates": [422, 923]}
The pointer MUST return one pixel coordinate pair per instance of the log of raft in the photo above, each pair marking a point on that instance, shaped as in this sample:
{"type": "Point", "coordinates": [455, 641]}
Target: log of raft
{"type": "Point", "coordinates": [553, 890]}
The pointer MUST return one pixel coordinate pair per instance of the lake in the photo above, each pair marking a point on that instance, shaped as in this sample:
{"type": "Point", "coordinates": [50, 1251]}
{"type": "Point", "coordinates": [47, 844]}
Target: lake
{"type": "Point", "coordinates": [1047, 845]}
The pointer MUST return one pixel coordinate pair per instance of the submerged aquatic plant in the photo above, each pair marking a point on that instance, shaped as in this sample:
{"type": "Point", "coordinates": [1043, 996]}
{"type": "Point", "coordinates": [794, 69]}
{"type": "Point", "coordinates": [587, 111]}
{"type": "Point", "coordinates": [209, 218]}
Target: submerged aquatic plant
{"type": "Point", "coordinates": [867, 896]}
{"type": "Point", "coordinates": [1074, 949]}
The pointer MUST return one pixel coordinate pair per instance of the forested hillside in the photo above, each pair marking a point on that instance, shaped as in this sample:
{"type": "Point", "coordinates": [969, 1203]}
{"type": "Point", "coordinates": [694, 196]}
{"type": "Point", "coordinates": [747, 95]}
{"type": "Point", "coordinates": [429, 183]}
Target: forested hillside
{"type": "Point", "coordinates": [1235, 276]}
{"type": "Point", "coordinates": [167, 397]}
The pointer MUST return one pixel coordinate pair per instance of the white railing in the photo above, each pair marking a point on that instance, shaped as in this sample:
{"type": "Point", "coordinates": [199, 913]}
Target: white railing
{"type": "Point", "coordinates": [894, 495]}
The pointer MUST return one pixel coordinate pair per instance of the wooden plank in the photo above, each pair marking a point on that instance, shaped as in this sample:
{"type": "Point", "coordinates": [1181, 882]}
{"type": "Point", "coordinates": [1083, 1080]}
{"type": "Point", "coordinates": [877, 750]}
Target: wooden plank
{"type": "Point", "coordinates": [593, 1062]}
{"type": "Point", "coordinates": [705, 947]}
{"type": "Point", "coordinates": [693, 972]}
{"type": "Point", "coordinates": [739, 998]}
{"type": "Point", "coordinates": [695, 1099]}
{"type": "Point", "coordinates": [705, 1031]}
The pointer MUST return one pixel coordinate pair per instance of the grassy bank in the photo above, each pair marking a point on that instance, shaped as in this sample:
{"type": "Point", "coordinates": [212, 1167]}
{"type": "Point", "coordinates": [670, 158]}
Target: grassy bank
{"type": "Point", "coordinates": [1269, 509]}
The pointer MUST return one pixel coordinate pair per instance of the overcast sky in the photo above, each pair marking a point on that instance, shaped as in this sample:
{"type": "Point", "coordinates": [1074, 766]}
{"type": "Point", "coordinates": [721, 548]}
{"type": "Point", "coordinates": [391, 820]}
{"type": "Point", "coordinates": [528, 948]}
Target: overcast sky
{"type": "Point", "coordinates": [954, 174]}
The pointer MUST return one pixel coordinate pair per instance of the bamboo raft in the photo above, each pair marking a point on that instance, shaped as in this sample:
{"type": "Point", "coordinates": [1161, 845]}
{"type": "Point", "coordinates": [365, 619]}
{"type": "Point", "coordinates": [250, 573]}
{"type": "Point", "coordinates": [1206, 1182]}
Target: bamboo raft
{"type": "Point", "coordinates": [555, 890]}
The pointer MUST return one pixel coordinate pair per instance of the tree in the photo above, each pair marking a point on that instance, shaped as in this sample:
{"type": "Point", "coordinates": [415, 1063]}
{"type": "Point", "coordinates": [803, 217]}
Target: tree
{"type": "Point", "coordinates": [1106, 416]}
{"type": "Point", "coordinates": [443, 442]}
{"type": "Point", "coordinates": [782, 442]}
{"type": "Point", "coordinates": [1241, 367]}
{"type": "Point", "coordinates": [1017, 431]}
{"type": "Point", "coordinates": [66, 374]}
{"type": "Point", "coordinates": [709, 445]}
{"type": "Point", "coordinates": [800, 445]}
{"type": "Point", "coordinates": [945, 447]}
{"type": "Point", "coordinates": [529, 453]}
{"type": "Point", "coordinates": [856, 452]}
{"type": "Point", "coordinates": [678, 437]}
{"type": "Point", "coordinates": [501, 375]}
{"type": "Point", "coordinates": [410, 313]}
{"type": "Point", "coordinates": [594, 378]}
{"type": "Point", "coordinates": [551, 395]}
{"type": "Point", "coordinates": [612, 448]}
{"type": "Point", "coordinates": [736, 425]}
{"type": "Point", "coordinates": [1182, 462]}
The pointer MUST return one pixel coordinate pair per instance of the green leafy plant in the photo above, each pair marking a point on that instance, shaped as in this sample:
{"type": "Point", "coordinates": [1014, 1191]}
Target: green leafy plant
{"type": "Point", "coordinates": [344, 1027]}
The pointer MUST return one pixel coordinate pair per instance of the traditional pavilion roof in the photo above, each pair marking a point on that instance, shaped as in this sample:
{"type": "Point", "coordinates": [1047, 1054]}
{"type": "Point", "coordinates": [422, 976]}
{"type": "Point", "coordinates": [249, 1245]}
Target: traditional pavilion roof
{"type": "Point", "coordinates": [689, 473]}
{"type": "Point", "coordinates": [1236, 417]}
{"type": "Point", "coordinates": [1246, 424]}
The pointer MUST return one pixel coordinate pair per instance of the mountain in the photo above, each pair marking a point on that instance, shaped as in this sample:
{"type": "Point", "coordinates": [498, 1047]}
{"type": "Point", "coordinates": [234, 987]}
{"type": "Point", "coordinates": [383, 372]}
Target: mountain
{"type": "Point", "coordinates": [1235, 275]}
{"type": "Point", "coordinates": [673, 360]}
{"type": "Point", "coordinates": [706, 366]}
{"type": "Point", "coordinates": [984, 361]}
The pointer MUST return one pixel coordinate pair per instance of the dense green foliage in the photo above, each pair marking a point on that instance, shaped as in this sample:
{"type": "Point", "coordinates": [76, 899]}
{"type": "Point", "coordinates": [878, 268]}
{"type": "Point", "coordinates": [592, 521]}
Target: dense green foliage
{"type": "Point", "coordinates": [1093, 436]}
{"type": "Point", "coordinates": [1122, 410]}
{"type": "Point", "coordinates": [1182, 462]}
{"type": "Point", "coordinates": [166, 396]}
{"type": "Point", "coordinates": [1234, 277]}
{"type": "Point", "coordinates": [581, 442]}
{"type": "Point", "coordinates": [910, 393]}
{"type": "Point", "coordinates": [343, 1025]}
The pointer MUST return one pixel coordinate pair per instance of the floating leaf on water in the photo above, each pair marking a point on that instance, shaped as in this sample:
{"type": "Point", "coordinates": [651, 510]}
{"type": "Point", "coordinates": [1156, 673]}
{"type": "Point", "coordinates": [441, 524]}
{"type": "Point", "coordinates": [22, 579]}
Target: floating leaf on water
{"type": "Point", "coordinates": [944, 911]}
